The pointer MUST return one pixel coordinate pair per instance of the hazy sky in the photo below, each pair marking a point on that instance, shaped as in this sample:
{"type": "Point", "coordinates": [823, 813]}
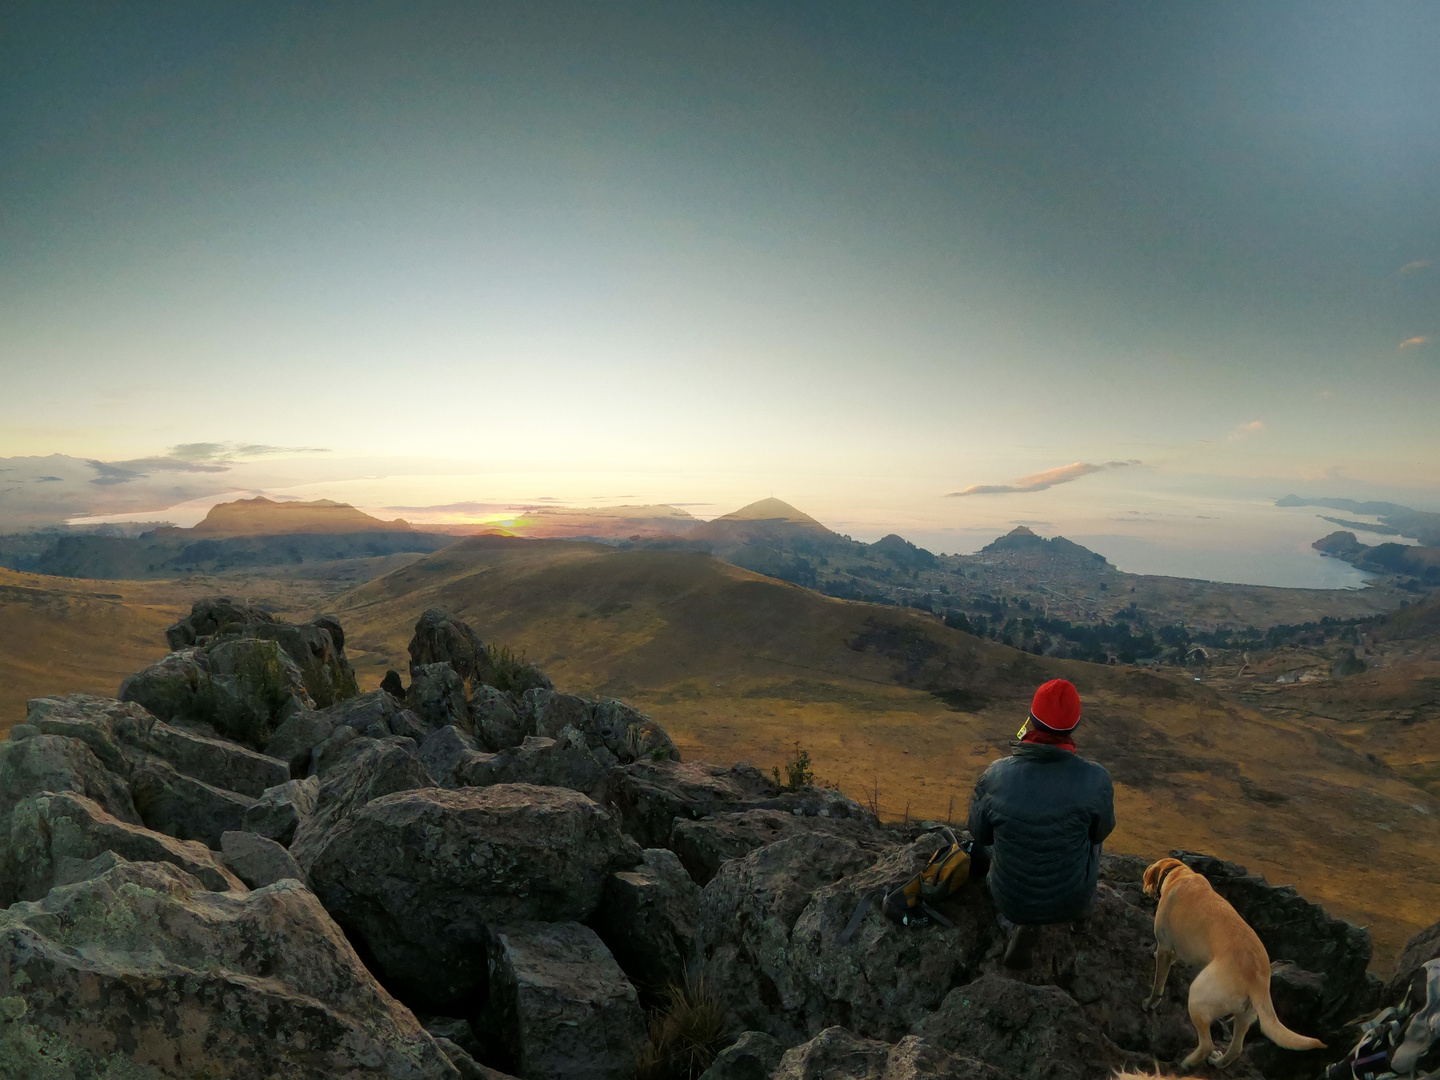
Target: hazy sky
{"type": "Point", "coordinates": [864, 253]}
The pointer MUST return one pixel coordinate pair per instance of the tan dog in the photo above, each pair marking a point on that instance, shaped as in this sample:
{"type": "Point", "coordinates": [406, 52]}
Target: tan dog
{"type": "Point", "coordinates": [1197, 925]}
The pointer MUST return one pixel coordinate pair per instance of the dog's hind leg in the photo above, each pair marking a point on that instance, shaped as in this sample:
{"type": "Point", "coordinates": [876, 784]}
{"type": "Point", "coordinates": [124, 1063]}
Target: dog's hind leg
{"type": "Point", "coordinates": [1243, 1019]}
{"type": "Point", "coordinates": [1163, 959]}
{"type": "Point", "coordinates": [1209, 1001]}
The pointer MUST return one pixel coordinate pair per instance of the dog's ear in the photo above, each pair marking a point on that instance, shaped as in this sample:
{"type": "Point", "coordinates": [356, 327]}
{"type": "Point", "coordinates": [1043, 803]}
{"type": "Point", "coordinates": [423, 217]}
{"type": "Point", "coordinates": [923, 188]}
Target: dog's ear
{"type": "Point", "coordinates": [1155, 872]}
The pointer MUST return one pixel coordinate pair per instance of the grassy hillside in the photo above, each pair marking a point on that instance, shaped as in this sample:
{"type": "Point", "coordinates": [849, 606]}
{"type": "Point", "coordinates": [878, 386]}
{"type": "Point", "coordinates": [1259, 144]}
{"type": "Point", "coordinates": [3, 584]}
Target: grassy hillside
{"type": "Point", "coordinates": [893, 705]}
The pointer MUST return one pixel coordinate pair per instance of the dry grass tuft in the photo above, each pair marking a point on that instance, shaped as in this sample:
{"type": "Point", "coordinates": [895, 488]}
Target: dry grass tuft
{"type": "Point", "coordinates": [685, 1034]}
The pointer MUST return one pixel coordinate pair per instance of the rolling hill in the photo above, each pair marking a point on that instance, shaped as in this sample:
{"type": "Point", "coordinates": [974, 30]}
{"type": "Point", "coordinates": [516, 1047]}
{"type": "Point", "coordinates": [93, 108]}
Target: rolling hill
{"type": "Point", "coordinates": [894, 706]}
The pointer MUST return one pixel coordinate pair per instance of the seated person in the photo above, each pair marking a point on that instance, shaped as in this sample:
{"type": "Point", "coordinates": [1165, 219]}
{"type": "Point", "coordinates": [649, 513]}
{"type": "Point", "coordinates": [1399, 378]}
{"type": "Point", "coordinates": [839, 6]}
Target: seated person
{"type": "Point", "coordinates": [1038, 818]}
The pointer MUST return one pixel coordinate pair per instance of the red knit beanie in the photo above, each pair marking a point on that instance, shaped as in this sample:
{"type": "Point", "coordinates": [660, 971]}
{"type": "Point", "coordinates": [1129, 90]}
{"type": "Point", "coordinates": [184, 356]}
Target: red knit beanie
{"type": "Point", "coordinates": [1056, 706]}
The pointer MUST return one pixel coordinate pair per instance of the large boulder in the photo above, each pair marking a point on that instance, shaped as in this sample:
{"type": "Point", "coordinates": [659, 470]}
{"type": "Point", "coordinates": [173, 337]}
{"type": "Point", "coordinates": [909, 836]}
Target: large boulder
{"type": "Point", "coordinates": [1027, 1032]}
{"type": "Point", "coordinates": [499, 718]}
{"type": "Point", "coordinates": [280, 809]}
{"type": "Point", "coordinates": [616, 732]}
{"type": "Point", "coordinates": [1418, 951]}
{"type": "Point", "coordinates": [56, 763]}
{"type": "Point", "coordinates": [382, 767]}
{"type": "Point", "coordinates": [648, 917]}
{"type": "Point", "coordinates": [753, 1056]}
{"type": "Point", "coordinates": [181, 806]}
{"type": "Point", "coordinates": [297, 735]}
{"type": "Point", "coordinates": [317, 648]}
{"type": "Point", "coordinates": [141, 967]}
{"type": "Point", "coordinates": [445, 751]}
{"type": "Point", "coordinates": [771, 925]}
{"type": "Point", "coordinates": [107, 726]}
{"type": "Point", "coordinates": [706, 844]}
{"type": "Point", "coordinates": [418, 876]}
{"type": "Point", "coordinates": [257, 861]}
{"type": "Point", "coordinates": [48, 839]}
{"type": "Point", "coordinates": [437, 696]}
{"type": "Point", "coordinates": [216, 761]}
{"type": "Point", "coordinates": [1293, 929]}
{"type": "Point", "coordinates": [563, 762]}
{"type": "Point", "coordinates": [242, 687]}
{"type": "Point", "coordinates": [441, 639]}
{"type": "Point", "coordinates": [376, 715]}
{"type": "Point", "coordinates": [560, 1005]}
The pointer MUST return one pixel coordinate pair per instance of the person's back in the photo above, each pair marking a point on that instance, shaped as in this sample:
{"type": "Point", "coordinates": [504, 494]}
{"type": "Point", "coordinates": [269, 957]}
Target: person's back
{"type": "Point", "coordinates": [1038, 819]}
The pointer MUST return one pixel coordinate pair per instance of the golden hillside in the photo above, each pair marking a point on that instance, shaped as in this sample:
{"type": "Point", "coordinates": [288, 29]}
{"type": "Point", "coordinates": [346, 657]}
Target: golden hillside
{"type": "Point", "coordinates": [738, 666]}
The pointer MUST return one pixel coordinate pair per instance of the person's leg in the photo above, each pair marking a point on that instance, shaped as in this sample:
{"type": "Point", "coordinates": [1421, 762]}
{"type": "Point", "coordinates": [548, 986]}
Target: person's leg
{"type": "Point", "coordinates": [1017, 949]}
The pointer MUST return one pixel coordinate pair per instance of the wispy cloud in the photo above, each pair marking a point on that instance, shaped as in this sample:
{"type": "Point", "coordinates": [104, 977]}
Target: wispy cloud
{"type": "Point", "coordinates": [1415, 267]}
{"type": "Point", "coordinates": [203, 457]}
{"type": "Point", "coordinates": [1246, 431]}
{"type": "Point", "coordinates": [1064, 474]}
{"type": "Point", "coordinates": [1414, 342]}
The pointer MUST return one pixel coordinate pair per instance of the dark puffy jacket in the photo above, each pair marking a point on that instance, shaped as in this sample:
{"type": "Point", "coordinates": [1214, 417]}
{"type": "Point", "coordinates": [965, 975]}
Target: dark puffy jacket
{"type": "Point", "coordinates": [1042, 813]}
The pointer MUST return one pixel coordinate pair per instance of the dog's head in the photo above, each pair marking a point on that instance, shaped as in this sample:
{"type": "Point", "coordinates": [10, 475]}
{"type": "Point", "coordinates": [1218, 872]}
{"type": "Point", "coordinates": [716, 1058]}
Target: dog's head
{"type": "Point", "coordinates": [1157, 872]}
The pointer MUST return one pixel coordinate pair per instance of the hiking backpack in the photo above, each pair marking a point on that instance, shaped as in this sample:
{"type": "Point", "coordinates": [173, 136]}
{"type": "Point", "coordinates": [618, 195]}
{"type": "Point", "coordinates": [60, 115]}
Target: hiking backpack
{"type": "Point", "coordinates": [1402, 1041]}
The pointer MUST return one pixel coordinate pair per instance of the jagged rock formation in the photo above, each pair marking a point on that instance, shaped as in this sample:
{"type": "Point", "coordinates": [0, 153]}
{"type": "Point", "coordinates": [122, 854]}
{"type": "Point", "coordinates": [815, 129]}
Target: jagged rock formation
{"type": "Point", "coordinates": [529, 869]}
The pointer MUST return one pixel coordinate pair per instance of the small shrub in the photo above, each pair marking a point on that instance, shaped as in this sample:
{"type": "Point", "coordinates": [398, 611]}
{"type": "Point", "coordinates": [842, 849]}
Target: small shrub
{"type": "Point", "coordinates": [798, 774]}
{"type": "Point", "coordinates": [512, 671]}
{"type": "Point", "coordinates": [685, 1035]}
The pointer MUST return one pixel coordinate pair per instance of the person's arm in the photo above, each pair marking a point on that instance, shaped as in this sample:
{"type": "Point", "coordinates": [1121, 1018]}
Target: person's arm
{"type": "Point", "coordinates": [1102, 822]}
{"type": "Point", "coordinates": [981, 829]}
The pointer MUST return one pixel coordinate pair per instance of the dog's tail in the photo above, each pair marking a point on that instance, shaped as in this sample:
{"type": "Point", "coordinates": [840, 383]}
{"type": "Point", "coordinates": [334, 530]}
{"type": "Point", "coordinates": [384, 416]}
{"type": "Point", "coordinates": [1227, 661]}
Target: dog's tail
{"type": "Point", "coordinates": [1277, 1032]}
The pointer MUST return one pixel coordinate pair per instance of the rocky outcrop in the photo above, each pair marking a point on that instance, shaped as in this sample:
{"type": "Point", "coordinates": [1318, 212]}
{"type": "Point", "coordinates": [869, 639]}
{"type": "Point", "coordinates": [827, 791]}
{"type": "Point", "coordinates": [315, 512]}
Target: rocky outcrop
{"type": "Point", "coordinates": [241, 687]}
{"type": "Point", "coordinates": [280, 809]}
{"type": "Point", "coordinates": [753, 1056]}
{"type": "Point", "coordinates": [1027, 1032]}
{"type": "Point", "coordinates": [316, 648]}
{"type": "Point", "coordinates": [141, 965]}
{"type": "Point", "coordinates": [437, 696]}
{"type": "Point", "coordinates": [445, 751]}
{"type": "Point", "coordinates": [648, 917]}
{"type": "Point", "coordinates": [1418, 951]}
{"type": "Point", "coordinates": [177, 805]}
{"type": "Point", "coordinates": [50, 839]}
{"type": "Point", "coordinates": [498, 718]}
{"type": "Point", "coordinates": [440, 639]}
{"type": "Point", "coordinates": [418, 876]}
{"type": "Point", "coordinates": [768, 944]}
{"type": "Point", "coordinates": [296, 736]}
{"type": "Point", "coordinates": [559, 1004]}
{"type": "Point", "coordinates": [615, 732]}
{"type": "Point", "coordinates": [706, 844]}
{"type": "Point", "coordinates": [257, 861]}
{"type": "Point", "coordinates": [42, 763]}
{"type": "Point", "coordinates": [652, 796]}
{"type": "Point", "coordinates": [382, 767]}
{"type": "Point", "coordinates": [563, 762]}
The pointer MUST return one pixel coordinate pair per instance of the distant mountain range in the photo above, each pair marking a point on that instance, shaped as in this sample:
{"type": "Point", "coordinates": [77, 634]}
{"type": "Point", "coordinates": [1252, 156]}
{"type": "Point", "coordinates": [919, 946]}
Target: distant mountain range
{"type": "Point", "coordinates": [1399, 520]}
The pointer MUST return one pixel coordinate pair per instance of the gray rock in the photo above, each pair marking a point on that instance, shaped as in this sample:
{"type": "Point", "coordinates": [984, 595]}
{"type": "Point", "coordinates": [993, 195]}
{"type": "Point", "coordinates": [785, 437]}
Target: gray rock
{"type": "Point", "coordinates": [143, 968]}
{"type": "Point", "coordinates": [768, 928]}
{"type": "Point", "coordinates": [56, 763]}
{"type": "Point", "coordinates": [630, 734]}
{"type": "Point", "coordinates": [563, 762]}
{"type": "Point", "coordinates": [418, 876]}
{"type": "Point", "coordinates": [648, 918]}
{"type": "Point", "coordinates": [316, 648]}
{"type": "Point", "coordinates": [465, 1065]}
{"type": "Point", "coordinates": [554, 712]}
{"type": "Point", "coordinates": [297, 735]}
{"type": "Point", "coordinates": [706, 844]}
{"type": "Point", "coordinates": [498, 718]}
{"type": "Point", "coordinates": [107, 726]}
{"type": "Point", "coordinates": [441, 639]}
{"type": "Point", "coordinates": [242, 687]}
{"type": "Point", "coordinates": [280, 809]}
{"type": "Point", "coordinates": [46, 840]}
{"type": "Point", "coordinates": [336, 750]}
{"type": "Point", "coordinates": [257, 861]}
{"type": "Point", "coordinates": [753, 1056]}
{"type": "Point", "coordinates": [215, 761]}
{"type": "Point", "coordinates": [1418, 951]}
{"type": "Point", "coordinates": [652, 795]}
{"type": "Point", "coordinates": [379, 768]}
{"type": "Point", "coordinates": [181, 806]}
{"type": "Point", "coordinates": [22, 731]}
{"type": "Point", "coordinates": [1027, 1032]}
{"type": "Point", "coordinates": [444, 751]}
{"type": "Point", "coordinates": [561, 1006]}
{"type": "Point", "coordinates": [372, 714]}
{"type": "Point", "coordinates": [437, 696]}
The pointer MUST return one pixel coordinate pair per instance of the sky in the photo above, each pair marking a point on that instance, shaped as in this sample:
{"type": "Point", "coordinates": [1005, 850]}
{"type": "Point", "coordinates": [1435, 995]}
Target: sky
{"type": "Point", "coordinates": [862, 256]}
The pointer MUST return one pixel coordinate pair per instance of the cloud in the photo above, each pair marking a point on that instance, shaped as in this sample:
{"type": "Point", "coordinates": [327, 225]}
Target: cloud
{"type": "Point", "coordinates": [204, 457]}
{"type": "Point", "coordinates": [1064, 474]}
{"type": "Point", "coordinates": [1410, 343]}
{"type": "Point", "coordinates": [1245, 431]}
{"type": "Point", "coordinates": [48, 480]}
{"type": "Point", "coordinates": [1415, 267]}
